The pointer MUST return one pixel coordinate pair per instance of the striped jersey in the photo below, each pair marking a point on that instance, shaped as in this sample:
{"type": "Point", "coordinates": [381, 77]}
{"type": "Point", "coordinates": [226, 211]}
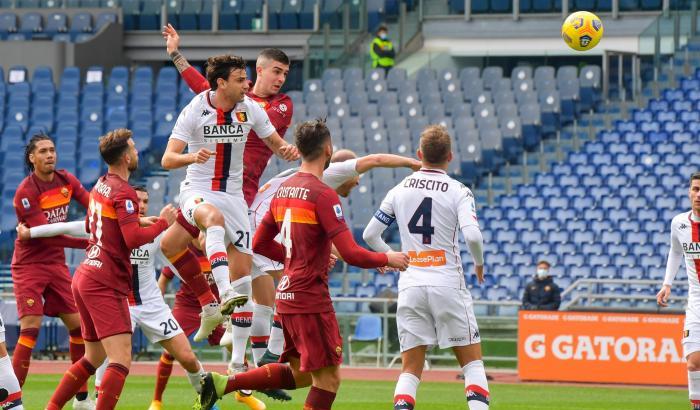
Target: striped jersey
{"type": "Point", "coordinates": [144, 288]}
{"type": "Point", "coordinates": [685, 239]}
{"type": "Point", "coordinates": [201, 125]}
{"type": "Point", "coordinates": [430, 209]}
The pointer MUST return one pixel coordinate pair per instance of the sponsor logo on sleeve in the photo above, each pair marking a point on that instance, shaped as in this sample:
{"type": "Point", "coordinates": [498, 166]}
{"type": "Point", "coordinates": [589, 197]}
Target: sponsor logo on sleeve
{"type": "Point", "coordinates": [25, 203]}
{"type": "Point", "coordinates": [129, 206]}
{"type": "Point", "coordinates": [338, 211]}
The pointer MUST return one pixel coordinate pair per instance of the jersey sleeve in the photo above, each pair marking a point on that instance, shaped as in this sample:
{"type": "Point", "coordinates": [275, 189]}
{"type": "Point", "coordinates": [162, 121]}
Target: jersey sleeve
{"type": "Point", "coordinates": [126, 205]}
{"type": "Point", "coordinates": [385, 214]}
{"type": "Point", "coordinates": [79, 192]}
{"type": "Point", "coordinates": [195, 80]}
{"type": "Point", "coordinates": [330, 213]}
{"type": "Point", "coordinates": [466, 208]}
{"type": "Point", "coordinates": [280, 114]}
{"type": "Point", "coordinates": [27, 208]}
{"type": "Point", "coordinates": [184, 126]}
{"type": "Point", "coordinates": [338, 173]}
{"type": "Point", "coordinates": [261, 121]}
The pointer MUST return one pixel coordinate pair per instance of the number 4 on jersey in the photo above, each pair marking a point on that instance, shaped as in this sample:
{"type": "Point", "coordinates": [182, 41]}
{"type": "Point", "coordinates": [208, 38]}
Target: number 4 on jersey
{"type": "Point", "coordinates": [423, 212]}
{"type": "Point", "coordinates": [286, 232]}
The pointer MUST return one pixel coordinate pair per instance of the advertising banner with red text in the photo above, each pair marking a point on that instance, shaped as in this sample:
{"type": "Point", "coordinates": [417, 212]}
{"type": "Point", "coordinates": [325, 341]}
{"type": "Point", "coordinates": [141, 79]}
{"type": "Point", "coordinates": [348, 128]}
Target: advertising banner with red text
{"type": "Point", "coordinates": [601, 347]}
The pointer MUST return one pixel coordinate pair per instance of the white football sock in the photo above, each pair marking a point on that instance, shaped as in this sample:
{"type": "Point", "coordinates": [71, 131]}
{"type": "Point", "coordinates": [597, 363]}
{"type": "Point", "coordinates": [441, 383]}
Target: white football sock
{"type": "Point", "coordinates": [476, 386]}
{"type": "Point", "coordinates": [241, 321]}
{"type": "Point", "coordinates": [218, 258]}
{"type": "Point", "coordinates": [195, 378]}
{"type": "Point", "coordinates": [276, 343]}
{"type": "Point", "coordinates": [9, 382]}
{"type": "Point", "coordinates": [260, 330]}
{"type": "Point", "coordinates": [405, 392]}
{"type": "Point", "coordinates": [100, 373]}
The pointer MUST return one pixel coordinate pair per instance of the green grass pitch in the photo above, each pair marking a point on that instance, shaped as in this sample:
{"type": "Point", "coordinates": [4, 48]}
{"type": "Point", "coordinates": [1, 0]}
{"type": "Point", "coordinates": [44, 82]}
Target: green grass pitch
{"type": "Point", "coordinates": [375, 395]}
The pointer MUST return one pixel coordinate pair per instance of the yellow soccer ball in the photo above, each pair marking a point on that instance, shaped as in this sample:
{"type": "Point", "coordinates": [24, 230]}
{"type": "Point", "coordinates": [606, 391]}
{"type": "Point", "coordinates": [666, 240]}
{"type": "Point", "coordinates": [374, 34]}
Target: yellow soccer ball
{"type": "Point", "coordinates": [582, 30]}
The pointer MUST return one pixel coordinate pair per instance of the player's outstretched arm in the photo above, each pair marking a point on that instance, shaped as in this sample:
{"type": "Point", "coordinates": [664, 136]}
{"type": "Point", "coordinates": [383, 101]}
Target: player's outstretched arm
{"type": "Point", "coordinates": [281, 148]}
{"type": "Point", "coordinates": [192, 77]}
{"type": "Point", "coordinates": [136, 236]}
{"type": "Point", "coordinates": [75, 228]}
{"type": "Point", "coordinates": [173, 157]}
{"type": "Point", "coordinates": [373, 234]}
{"type": "Point", "coordinates": [264, 240]}
{"type": "Point", "coordinates": [675, 256]}
{"type": "Point", "coordinates": [166, 275]}
{"type": "Point", "coordinates": [372, 161]}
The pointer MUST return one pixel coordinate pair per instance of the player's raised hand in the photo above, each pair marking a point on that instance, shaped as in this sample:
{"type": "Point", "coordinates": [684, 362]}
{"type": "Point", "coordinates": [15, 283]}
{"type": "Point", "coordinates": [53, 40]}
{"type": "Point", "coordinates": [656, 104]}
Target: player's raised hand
{"type": "Point", "coordinates": [398, 260]}
{"type": "Point", "coordinates": [416, 165]}
{"type": "Point", "coordinates": [203, 155]}
{"type": "Point", "coordinates": [172, 39]}
{"type": "Point", "coordinates": [23, 233]}
{"type": "Point", "coordinates": [479, 273]}
{"type": "Point", "coordinates": [169, 213]}
{"type": "Point", "coordinates": [663, 295]}
{"type": "Point", "coordinates": [289, 152]}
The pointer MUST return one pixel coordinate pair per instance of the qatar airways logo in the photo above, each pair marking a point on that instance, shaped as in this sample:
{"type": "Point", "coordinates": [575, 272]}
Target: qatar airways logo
{"type": "Point", "coordinates": [603, 348]}
{"type": "Point", "coordinates": [59, 214]}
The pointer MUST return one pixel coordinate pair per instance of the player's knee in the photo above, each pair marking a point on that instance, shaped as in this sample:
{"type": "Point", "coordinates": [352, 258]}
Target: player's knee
{"type": "Point", "coordinates": [694, 365]}
{"type": "Point", "coordinates": [208, 216]}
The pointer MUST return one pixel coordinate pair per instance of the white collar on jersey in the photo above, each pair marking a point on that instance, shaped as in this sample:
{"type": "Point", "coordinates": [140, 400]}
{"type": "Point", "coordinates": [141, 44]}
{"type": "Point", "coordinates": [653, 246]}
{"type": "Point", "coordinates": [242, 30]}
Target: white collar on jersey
{"type": "Point", "coordinates": [433, 170]}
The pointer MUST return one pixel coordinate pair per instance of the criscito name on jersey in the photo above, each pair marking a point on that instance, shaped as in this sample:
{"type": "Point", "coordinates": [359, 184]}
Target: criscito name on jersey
{"type": "Point", "coordinates": [226, 133]}
{"type": "Point", "coordinates": [429, 184]}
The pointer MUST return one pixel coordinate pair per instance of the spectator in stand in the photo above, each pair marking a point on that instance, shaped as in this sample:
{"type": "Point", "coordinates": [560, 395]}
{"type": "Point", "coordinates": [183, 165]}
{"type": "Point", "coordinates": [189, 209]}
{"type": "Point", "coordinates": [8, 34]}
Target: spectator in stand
{"type": "Point", "coordinates": [542, 293]}
{"type": "Point", "coordinates": [382, 50]}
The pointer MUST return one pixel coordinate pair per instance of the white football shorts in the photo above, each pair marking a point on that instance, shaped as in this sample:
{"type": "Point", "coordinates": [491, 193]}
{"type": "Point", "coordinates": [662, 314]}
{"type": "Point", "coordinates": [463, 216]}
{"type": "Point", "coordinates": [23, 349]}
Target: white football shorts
{"type": "Point", "coordinates": [233, 208]}
{"type": "Point", "coordinates": [429, 316]}
{"type": "Point", "coordinates": [691, 333]}
{"type": "Point", "coordinates": [156, 321]}
{"type": "Point", "coordinates": [2, 330]}
{"type": "Point", "coordinates": [262, 265]}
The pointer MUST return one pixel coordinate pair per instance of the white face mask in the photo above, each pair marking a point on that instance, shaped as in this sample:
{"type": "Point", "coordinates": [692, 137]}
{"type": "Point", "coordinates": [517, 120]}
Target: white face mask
{"type": "Point", "coordinates": [382, 36]}
{"type": "Point", "coordinates": [542, 273]}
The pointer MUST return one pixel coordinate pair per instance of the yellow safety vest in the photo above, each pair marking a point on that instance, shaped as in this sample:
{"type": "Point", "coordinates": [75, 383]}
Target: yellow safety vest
{"type": "Point", "coordinates": [381, 61]}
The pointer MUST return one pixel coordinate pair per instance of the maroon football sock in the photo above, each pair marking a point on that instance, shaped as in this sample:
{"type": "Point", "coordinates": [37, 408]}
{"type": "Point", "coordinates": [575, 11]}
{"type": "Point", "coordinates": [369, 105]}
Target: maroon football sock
{"type": "Point", "coordinates": [23, 353]}
{"type": "Point", "coordinates": [319, 399]}
{"type": "Point", "coordinates": [270, 376]}
{"type": "Point", "coordinates": [76, 376]}
{"type": "Point", "coordinates": [112, 386]}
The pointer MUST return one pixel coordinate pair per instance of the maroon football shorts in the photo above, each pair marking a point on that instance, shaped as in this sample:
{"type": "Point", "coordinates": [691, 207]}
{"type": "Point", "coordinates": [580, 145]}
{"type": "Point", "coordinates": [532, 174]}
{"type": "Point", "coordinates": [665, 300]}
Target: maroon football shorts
{"type": "Point", "coordinates": [43, 289]}
{"type": "Point", "coordinates": [187, 315]}
{"type": "Point", "coordinates": [312, 337]}
{"type": "Point", "coordinates": [192, 230]}
{"type": "Point", "coordinates": [103, 311]}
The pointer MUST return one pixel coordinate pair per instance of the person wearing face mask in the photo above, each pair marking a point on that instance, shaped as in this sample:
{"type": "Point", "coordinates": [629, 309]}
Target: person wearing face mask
{"type": "Point", "coordinates": [542, 293]}
{"type": "Point", "coordinates": [382, 50]}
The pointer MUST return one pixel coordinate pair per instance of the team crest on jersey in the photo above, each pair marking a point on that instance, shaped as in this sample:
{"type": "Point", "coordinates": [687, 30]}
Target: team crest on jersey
{"type": "Point", "coordinates": [25, 203]}
{"type": "Point", "coordinates": [283, 107]}
{"type": "Point", "coordinates": [30, 302]}
{"type": "Point", "coordinates": [65, 192]}
{"type": "Point", "coordinates": [338, 211]}
{"type": "Point", "coordinates": [129, 205]}
{"type": "Point", "coordinates": [338, 350]}
{"type": "Point", "coordinates": [242, 116]}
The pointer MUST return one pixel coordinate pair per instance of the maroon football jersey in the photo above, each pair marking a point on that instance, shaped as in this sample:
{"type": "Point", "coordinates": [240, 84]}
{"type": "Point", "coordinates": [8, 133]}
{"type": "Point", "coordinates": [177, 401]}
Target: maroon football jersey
{"type": "Point", "coordinates": [37, 202]}
{"type": "Point", "coordinates": [308, 215]}
{"type": "Point", "coordinates": [113, 203]}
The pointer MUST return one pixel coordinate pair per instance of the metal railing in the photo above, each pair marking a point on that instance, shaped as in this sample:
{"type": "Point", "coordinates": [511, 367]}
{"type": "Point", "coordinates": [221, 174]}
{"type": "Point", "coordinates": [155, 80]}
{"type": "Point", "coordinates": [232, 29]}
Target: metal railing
{"type": "Point", "coordinates": [580, 299]}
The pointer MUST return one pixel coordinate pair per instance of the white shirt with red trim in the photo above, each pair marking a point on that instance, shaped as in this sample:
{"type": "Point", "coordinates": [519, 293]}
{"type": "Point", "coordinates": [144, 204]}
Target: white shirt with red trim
{"type": "Point", "coordinates": [685, 242]}
{"type": "Point", "coordinates": [431, 209]}
{"type": "Point", "coordinates": [201, 125]}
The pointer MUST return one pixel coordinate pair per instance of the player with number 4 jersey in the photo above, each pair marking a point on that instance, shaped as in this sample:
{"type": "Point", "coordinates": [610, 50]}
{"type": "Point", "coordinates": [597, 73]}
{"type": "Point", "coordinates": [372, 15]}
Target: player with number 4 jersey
{"type": "Point", "coordinates": [434, 305]}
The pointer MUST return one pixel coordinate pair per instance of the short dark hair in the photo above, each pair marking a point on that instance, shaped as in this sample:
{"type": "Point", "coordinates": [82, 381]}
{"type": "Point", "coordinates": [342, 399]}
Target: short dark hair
{"type": "Point", "coordinates": [114, 144]}
{"type": "Point", "coordinates": [274, 54]}
{"type": "Point", "coordinates": [140, 188]}
{"type": "Point", "coordinates": [221, 67]}
{"type": "Point", "coordinates": [544, 262]}
{"type": "Point", "coordinates": [694, 176]}
{"type": "Point", "coordinates": [382, 27]}
{"type": "Point", "coordinates": [31, 146]}
{"type": "Point", "coordinates": [310, 136]}
{"type": "Point", "coordinates": [435, 144]}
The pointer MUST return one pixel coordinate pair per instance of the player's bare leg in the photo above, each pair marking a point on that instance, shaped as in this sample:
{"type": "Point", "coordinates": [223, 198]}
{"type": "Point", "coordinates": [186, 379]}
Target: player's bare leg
{"type": "Point", "coordinates": [10, 392]}
{"type": "Point", "coordinates": [78, 374]}
{"type": "Point", "coordinates": [28, 333]}
{"type": "Point", "coordinates": [475, 383]}
{"type": "Point", "coordinates": [693, 360]}
{"type": "Point", "coordinates": [76, 347]}
{"type": "Point", "coordinates": [179, 347]}
{"type": "Point", "coordinates": [174, 247]}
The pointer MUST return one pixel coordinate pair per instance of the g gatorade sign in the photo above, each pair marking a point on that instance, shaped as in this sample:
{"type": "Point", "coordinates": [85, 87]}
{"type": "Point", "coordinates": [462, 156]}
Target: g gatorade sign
{"type": "Point", "coordinates": [601, 347]}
